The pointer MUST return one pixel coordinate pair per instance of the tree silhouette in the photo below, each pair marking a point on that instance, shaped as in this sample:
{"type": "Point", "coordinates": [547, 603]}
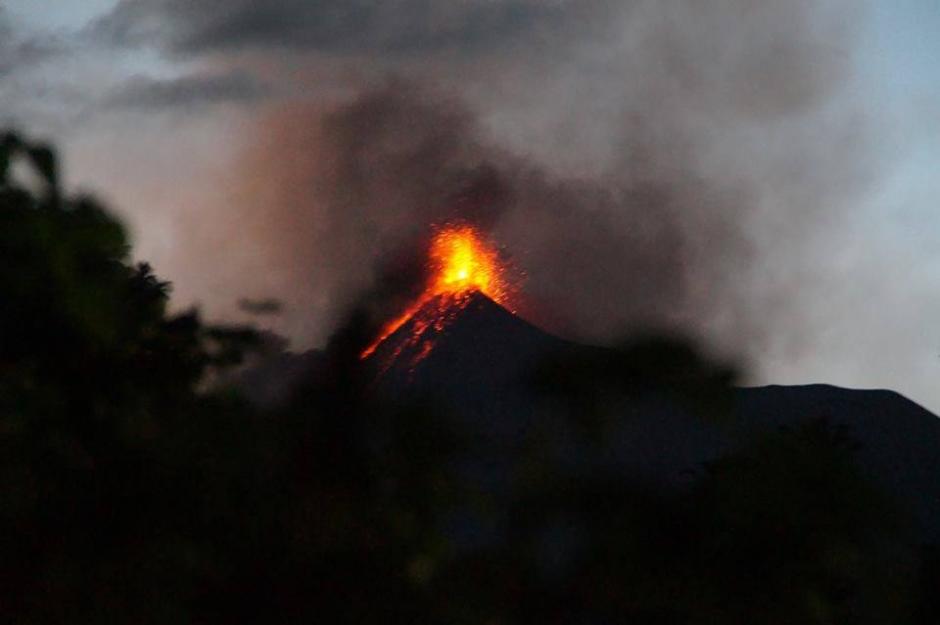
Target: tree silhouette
{"type": "Point", "coordinates": [103, 436]}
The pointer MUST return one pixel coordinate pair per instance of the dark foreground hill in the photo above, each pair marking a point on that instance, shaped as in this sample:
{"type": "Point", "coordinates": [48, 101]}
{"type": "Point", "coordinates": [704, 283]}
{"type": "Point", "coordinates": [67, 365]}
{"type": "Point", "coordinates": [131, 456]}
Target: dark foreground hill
{"type": "Point", "coordinates": [513, 473]}
{"type": "Point", "coordinates": [508, 381]}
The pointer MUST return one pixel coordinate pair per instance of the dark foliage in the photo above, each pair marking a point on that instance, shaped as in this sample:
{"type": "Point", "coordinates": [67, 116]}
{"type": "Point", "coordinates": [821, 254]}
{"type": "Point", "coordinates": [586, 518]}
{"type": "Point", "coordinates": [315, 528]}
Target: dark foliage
{"type": "Point", "coordinates": [112, 465]}
{"type": "Point", "coordinates": [133, 492]}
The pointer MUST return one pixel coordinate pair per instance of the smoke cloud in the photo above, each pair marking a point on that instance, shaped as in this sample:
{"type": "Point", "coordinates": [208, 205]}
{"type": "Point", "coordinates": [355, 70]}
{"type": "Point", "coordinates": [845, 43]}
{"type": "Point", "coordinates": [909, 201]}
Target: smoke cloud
{"type": "Point", "coordinates": [644, 164]}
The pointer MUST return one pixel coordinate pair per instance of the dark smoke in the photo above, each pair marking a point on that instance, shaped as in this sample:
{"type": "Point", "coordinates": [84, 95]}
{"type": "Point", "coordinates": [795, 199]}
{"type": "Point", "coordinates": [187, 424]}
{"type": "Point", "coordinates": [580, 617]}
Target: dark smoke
{"type": "Point", "coordinates": [267, 306]}
{"type": "Point", "coordinates": [335, 199]}
{"type": "Point", "coordinates": [726, 144]}
{"type": "Point", "coordinates": [346, 200]}
{"type": "Point", "coordinates": [189, 28]}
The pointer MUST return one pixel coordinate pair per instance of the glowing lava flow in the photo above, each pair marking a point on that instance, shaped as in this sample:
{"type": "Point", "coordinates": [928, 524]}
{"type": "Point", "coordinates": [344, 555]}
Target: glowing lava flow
{"type": "Point", "coordinates": [461, 263]}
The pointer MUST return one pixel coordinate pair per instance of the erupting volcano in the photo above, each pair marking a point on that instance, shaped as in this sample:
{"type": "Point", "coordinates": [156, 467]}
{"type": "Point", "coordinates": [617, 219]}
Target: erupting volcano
{"type": "Point", "coordinates": [461, 263]}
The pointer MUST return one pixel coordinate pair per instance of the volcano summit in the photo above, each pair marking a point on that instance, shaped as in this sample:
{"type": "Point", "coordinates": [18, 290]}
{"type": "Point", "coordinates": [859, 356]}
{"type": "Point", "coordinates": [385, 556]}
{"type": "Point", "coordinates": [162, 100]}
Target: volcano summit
{"type": "Point", "coordinates": [461, 263]}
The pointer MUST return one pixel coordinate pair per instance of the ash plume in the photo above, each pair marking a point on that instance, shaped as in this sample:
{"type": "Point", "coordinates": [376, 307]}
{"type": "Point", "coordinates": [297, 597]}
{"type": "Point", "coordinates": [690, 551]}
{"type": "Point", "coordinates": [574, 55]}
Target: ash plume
{"type": "Point", "coordinates": [670, 177]}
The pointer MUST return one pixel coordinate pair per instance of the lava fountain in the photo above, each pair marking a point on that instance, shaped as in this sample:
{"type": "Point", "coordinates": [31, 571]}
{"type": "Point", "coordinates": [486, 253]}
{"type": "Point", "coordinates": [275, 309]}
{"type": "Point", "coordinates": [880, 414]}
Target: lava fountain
{"type": "Point", "coordinates": [461, 262]}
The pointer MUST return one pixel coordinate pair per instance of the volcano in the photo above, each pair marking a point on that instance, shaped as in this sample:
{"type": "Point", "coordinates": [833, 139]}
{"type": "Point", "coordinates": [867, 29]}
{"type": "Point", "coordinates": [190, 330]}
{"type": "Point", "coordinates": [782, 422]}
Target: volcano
{"type": "Point", "coordinates": [470, 341]}
{"type": "Point", "coordinates": [461, 263]}
{"type": "Point", "coordinates": [483, 365]}
{"type": "Point", "coordinates": [507, 382]}
{"type": "Point", "coordinates": [459, 350]}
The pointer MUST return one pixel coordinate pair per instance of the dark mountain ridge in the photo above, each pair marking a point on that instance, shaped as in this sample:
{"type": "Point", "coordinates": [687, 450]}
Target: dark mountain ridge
{"type": "Point", "coordinates": [485, 367]}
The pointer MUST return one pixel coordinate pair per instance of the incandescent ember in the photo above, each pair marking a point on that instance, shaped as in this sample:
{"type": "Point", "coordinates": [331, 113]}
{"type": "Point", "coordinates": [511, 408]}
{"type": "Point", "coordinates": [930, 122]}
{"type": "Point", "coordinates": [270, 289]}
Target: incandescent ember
{"type": "Point", "coordinates": [461, 262]}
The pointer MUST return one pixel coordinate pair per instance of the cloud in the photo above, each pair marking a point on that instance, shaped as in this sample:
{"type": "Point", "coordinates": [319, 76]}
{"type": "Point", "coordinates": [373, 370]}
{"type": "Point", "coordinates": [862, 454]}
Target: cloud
{"type": "Point", "coordinates": [189, 91]}
{"type": "Point", "coordinates": [21, 51]}
{"type": "Point", "coordinates": [390, 26]}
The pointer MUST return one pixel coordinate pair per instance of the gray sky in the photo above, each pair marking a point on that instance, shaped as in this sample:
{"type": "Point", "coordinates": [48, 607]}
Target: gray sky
{"type": "Point", "coordinates": [761, 176]}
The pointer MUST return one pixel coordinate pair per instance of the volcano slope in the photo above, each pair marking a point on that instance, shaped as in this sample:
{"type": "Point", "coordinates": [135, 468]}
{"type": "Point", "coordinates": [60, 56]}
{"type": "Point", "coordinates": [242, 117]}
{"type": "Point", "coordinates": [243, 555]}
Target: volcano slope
{"type": "Point", "coordinates": [663, 413]}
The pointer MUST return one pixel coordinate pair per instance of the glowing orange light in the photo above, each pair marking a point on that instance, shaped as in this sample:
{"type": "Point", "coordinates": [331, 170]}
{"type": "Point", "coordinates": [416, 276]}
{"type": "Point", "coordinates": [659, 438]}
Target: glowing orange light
{"type": "Point", "coordinates": [461, 262]}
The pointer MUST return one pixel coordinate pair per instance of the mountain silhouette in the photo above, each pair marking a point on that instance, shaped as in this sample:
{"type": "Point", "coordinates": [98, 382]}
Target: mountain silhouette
{"type": "Point", "coordinates": [483, 367]}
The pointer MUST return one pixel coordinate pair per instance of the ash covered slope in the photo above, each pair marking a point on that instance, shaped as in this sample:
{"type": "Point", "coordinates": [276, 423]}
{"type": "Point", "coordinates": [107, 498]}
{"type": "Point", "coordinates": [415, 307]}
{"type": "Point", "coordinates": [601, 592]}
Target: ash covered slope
{"type": "Point", "coordinates": [482, 353]}
{"type": "Point", "coordinates": [481, 369]}
{"type": "Point", "coordinates": [512, 382]}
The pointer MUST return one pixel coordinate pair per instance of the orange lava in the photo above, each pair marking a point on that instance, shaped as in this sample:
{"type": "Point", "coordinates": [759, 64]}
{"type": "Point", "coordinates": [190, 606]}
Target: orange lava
{"type": "Point", "coordinates": [461, 262]}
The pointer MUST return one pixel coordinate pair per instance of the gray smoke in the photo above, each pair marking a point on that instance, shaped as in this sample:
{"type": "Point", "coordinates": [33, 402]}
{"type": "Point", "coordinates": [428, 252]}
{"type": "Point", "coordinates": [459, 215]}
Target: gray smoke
{"type": "Point", "coordinates": [643, 164]}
